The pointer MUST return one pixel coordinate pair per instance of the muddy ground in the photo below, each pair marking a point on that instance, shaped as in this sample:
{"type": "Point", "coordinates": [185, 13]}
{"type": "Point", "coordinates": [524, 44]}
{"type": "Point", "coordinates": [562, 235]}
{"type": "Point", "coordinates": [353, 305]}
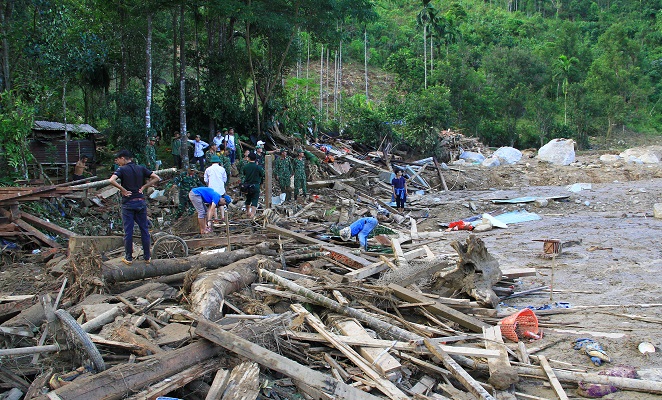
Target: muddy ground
{"type": "Point", "coordinates": [618, 262]}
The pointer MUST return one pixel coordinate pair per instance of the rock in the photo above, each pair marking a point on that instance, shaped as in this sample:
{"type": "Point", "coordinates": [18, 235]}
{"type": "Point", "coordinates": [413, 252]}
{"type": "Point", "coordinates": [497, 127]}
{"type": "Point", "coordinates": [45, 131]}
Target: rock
{"type": "Point", "coordinates": [541, 203]}
{"type": "Point", "coordinates": [657, 210]}
{"type": "Point", "coordinates": [491, 162]}
{"type": "Point", "coordinates": [472, 157]}
{"type": "Point", "coordinates": [610, 158]}
{"type": "Point", "coordinates": [558, 152]}
{"type": "Point", "coordinates": [647, 155]}
{"type": "Point", "coordinates": [578, 187]}
{"type": "Point", "coordinates": [508, 155]}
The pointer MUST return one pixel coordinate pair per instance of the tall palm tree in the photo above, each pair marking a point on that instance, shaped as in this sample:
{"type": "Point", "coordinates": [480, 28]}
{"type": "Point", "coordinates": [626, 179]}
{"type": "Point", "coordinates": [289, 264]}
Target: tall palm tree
{"type": "Point", "coordinates": [563, 66]}
{"type": "Point", "coordinates": [425, 18]}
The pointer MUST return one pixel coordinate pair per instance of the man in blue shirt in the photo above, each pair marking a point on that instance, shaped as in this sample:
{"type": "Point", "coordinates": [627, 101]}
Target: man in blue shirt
{"type": "Point", "coordinates": [134, 207]}
{"type": "Point", "coordinates": [204, 195]}
{"type": "Point", "coordinates": [361, 228]}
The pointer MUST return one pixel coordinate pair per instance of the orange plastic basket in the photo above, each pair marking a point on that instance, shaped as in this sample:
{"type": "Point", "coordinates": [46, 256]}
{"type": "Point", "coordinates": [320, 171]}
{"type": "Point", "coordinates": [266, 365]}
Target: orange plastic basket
{"type": "Point", "coordinates": [522, 324]}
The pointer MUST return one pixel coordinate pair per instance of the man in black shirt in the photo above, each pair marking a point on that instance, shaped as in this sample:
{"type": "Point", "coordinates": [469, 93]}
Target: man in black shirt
{"type": "Point", "coordinates": [134, 207]}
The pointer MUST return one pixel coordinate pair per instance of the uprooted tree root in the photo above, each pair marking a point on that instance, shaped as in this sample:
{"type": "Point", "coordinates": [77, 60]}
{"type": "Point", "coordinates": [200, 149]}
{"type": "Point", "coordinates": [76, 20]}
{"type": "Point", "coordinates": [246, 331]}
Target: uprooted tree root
{"type": "Point", "coordinates": [85, 275]}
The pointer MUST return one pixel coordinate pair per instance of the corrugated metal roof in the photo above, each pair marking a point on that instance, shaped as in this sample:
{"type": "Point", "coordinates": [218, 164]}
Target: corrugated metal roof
{"type": "Point", "coordinates": [58, 126]}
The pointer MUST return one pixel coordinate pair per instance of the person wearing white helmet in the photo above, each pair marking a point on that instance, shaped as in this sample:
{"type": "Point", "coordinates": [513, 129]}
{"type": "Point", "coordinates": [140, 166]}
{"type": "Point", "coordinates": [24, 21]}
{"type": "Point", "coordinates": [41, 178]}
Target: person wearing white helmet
{"type": "Point", "coordinates": [360, 228]}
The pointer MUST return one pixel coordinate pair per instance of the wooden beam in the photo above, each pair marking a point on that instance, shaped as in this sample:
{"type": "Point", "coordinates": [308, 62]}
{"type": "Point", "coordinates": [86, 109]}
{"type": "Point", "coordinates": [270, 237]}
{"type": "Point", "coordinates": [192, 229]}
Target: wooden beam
{"type": "Point", "coordinates": [502, 374]}
{"type": "Point", "coordinates": [352, 260]}
{"type": "Point", "coordinates": [174, 382]}
{"type": "Point", "coordinates": [40, 223]}
{"type": "Point", "coordinates": [397, 345]}
{"type": "Point", "coordinates": [463, 319]}
{"type": "Point", "coordinates": [222, 241]}
{"type": "Point", "coordinates": [327, 183]}
{"type": "Point", "coordinates": [37, 233]}
{"type": "Point", "coordinates": [218, 385]}
{"type": "Point", "coordinates": [276, 362]}
{"type": "Point", "coordinates": [244, 382]}
{"type": "Point", "coordinates": [460, 374]}
{"type": "Point", "coordinates": [441, 176]}
{"type": "Point", "coordinates": [378, 267]}
{"type": "Point", "coordinates": [384, 385]}
{"type": "Point", "coordinates": [553, 380]}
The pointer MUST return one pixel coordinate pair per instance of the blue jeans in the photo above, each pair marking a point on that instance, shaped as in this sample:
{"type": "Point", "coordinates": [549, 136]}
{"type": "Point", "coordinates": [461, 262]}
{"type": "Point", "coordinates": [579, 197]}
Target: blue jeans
{"type": "Point", "coordinates": [232, 153]}
{"type": "Point", "coordinates": [135, 212]}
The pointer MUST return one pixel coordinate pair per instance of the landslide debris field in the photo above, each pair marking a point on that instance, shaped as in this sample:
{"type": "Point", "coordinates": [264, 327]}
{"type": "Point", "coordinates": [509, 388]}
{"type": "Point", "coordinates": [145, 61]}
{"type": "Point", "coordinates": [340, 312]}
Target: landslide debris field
{"type": "Point", "coordinates": [201, 323]}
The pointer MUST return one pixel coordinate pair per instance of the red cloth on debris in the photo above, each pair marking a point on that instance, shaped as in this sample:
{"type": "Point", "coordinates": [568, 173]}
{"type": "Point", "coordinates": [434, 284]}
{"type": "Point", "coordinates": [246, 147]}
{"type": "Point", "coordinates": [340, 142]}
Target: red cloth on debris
{"type": "Point", "coordinates": [460, 226]}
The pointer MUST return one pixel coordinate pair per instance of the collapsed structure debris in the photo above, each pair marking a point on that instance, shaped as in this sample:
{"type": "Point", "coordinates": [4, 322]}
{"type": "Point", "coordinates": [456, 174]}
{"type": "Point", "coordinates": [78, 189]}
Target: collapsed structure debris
{"type": "Point", "coordinates": [278, 307]}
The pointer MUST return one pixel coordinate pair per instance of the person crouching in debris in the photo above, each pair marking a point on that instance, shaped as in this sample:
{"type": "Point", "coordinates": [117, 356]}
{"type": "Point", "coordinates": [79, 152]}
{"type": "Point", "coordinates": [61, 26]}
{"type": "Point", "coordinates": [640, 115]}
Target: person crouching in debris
{"type": "Point", "coordinates": [134, 207]}
{"type": "Point", "coordinates": [360, 228]}
{"type": "Point", "coordinates": [399, 184]}
{"type": "Point", "coordinates": [203, 195]}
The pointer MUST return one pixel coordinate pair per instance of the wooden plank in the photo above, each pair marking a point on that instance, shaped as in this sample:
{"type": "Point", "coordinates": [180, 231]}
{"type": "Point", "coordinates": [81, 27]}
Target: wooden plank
{"type": "Point", "coordinates": [355, 261]}
{"type": "Point", "coordinates": [461, 318]}
{"type": "Point", "coordinates": [502, 374]}
{"type": "Point", "coordinates": [378, 357]}
{"type": "Point", "coordinates": [556, 385]}
{"type": "Point", "coordinates": [222, 241]}
{"type": "Point", "coordinates": [276, 362]}
{"type": "Point", "coordinates": [441, 176]}
{"type": "Point", "coordinates": [397, 345]}
{"type": "Point", "coordinates": [244, 382]}
{"type": "Point", "coordinates": [384, 385]}
{"type": "Point", "coordinates": [511, 273]}
{"type": "Point", "coordinates": [43, 224]}
{"type": "Point", "coordinates": [378, 267]}
{"type": "Point", "coordinates": [327, 183]}
{"type": "Point", "coordinates": [399, 254]}
{"type": "Point", "coordinates": [173, 382]}
{"type": "Point", "coordinates": [218, 385]}
{"type": "Point", "coordinates": [37, 233]}
{"type": "Point", "coordinates": [460, 374]}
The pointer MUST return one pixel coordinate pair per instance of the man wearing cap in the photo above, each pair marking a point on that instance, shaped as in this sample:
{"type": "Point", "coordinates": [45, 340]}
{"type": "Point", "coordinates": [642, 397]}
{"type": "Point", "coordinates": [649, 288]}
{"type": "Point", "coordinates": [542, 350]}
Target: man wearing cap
{"type": "Point", "coordinates": [283, 171]}
{"type": "Point", "coordinates": [199, 147]}
{"type": "Point", "coordinates": [134, 207]}
{"type": "Point", "coordinates": [259, 153]}
{"type": "Point", "coordinates": [204, 195]}
{"type": "Point", "coordinates": [150, 154]}
{"type": "Point", "coordinates": [300, 174]}
{"type": "Point", "coordinates": [215, 177]}
{"type": "Point", "coordinates": [360, 228]}
{"type": "Point", "coordinates": [225, 160]}
{"type": "Point", "coordinates": [176, 150]}
{"type": "Point", "coordinates": [253, 176]}
{"type": "Point", "coordinates": [186, 181]}
{"type": "Point", "coordinates": [230, 144]}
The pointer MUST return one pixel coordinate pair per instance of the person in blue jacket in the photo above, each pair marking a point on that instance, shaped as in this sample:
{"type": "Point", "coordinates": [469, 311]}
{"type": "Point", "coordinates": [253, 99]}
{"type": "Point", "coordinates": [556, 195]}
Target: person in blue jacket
{"type": "Point", "coordinates": [204, 195]}
{"type": "Point", "coordinates": [360, 228]}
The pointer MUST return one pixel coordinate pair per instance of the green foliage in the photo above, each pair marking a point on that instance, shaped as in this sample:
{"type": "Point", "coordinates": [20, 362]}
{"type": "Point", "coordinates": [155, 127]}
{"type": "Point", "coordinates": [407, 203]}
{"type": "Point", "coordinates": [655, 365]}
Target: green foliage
{"type": "Point", "coordinates": [15, 126]}
{"type": "Point", "coordinates": [364, 123]}
{"type": "Point", "coordinates": [127, 128]}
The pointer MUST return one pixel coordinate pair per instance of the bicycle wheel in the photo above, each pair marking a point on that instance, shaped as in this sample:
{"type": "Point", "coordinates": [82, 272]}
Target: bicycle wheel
{"type": "Point", "coordinates": [169, 246]}
{"type": "Point", "coordinates": [81, 339]}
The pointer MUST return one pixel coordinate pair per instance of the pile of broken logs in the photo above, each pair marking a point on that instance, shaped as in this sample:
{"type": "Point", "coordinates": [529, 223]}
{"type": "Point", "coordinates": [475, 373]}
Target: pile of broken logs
{"type": "Point", "coordinates": [279, 308]}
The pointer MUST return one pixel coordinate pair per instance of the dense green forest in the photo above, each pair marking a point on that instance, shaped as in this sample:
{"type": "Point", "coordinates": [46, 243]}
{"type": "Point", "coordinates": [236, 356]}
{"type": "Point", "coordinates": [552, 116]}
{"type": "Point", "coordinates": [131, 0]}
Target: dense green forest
{"type": "Point", "coordinates": [512, 72]}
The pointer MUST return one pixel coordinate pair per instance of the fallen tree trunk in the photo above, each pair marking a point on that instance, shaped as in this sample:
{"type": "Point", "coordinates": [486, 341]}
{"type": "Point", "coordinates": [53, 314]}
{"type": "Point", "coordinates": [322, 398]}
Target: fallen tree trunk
{"type": "Point", "coordinates": [113, 273]}
{"type": "Point", "coordinates": [117, 382]}
{"type": "Point", "coordinates": [210, 288]}
{"type": "Point", "coordinates": [638, 385]}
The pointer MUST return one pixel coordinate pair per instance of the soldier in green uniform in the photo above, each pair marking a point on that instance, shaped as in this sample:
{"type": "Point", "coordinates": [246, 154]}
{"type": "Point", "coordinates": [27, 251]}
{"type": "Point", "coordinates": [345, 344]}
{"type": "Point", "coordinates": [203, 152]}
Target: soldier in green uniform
{"type": "Point", "coordinates": [150, 154]}
{"type": "Point", "coordinates": [176, 150]}
{"type": "Point", "coordinates": [300, 174]}
{"type": "Point", "coordinates": [225, 160]}
{"type": "Point", "coordinates": [211, 152]}
{"type": "Point", "coordinates": [283, 171]}
{"type": "Point", "coordinates": [240, 165]}
{"type": "Point", "coordinates": [186, 181]}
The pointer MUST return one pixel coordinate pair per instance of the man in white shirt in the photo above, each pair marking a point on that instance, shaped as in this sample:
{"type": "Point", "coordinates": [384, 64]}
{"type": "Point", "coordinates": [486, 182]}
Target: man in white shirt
{"type": "Point", "coordinates": [218, 139]}
{"type": "Point", "coordinates": [215, 177]}
{"type": "Point", "coordinates": [230, 145]}
{"type": "Point", "coordinates": [199, 147]}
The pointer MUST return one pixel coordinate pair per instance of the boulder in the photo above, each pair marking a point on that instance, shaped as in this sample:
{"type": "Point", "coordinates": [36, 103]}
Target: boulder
{"type": "Point", "coordinates": [508, 155]}
{"type": "Point", "coordinates": [472, 157]}
{"type": "Point", "coordinates": [657, 210]}
{"type": "Point", "coordinates": [610, 158]}
{"type": "Point", "coordinates": [491, 162]}
{"type": "Point", "coordinates": [646, 155]}
{"type": "Point", "coordinates": [558, 152]}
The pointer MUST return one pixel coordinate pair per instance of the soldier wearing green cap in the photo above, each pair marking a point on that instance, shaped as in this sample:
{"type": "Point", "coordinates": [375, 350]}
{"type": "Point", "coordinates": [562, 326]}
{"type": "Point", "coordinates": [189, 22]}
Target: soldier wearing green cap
{"type": "Point", "coordinates": [186, 181]}
{"type": "Point", "coordinates": [283, 171]}
{"type": "Point", "coordinates": [300, 174]}
{"type": "Point", "coordinates": [150, 154]}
